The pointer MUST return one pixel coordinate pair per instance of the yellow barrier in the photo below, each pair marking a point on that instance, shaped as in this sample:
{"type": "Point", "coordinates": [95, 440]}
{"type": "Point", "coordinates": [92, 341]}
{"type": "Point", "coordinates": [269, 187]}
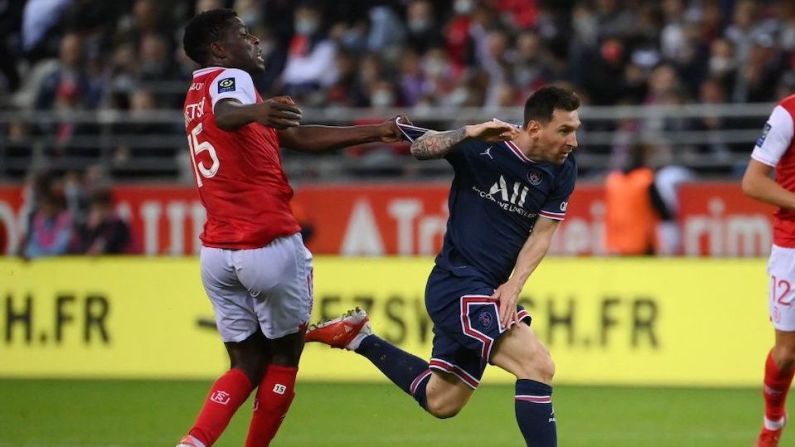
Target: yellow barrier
{"type": "Point", "coordinates": [606, 321]}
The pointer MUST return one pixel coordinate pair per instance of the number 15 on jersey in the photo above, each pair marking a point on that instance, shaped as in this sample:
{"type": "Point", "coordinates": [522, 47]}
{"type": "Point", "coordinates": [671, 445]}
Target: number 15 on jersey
{"type": "Point", "coordinates": [196, 148]}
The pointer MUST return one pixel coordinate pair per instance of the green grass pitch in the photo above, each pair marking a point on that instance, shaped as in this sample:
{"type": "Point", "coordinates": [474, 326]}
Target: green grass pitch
{"type": "Point", "coordinates": [49, 413]}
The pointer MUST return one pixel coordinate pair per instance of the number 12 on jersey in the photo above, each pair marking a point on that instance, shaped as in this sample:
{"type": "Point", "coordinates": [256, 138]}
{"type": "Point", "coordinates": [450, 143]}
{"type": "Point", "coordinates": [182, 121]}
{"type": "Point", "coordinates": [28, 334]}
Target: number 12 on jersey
{"type": "Point", "coordinates": [196, 148]}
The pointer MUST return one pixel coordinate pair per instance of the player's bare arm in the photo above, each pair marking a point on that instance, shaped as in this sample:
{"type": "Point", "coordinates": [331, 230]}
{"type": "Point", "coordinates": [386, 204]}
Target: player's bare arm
{"type": "Point", "coordinates": [438, 144]}
{"type": "Point", "coordinates": [531, 254]}
{"type": "Point", "coordinates": [758, 184]}
{"type": "Point", "coordinates": [279, 113]}
{"type": "Point", "coordinates": [312, 138]}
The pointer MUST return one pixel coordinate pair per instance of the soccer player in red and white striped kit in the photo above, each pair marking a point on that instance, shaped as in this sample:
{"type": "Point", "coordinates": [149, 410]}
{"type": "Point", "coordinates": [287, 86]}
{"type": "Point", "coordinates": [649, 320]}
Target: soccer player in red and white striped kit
{"type": "Point", "coordinates": [775, 151]}
{"type": "Point", "coordinates": [254, 266]}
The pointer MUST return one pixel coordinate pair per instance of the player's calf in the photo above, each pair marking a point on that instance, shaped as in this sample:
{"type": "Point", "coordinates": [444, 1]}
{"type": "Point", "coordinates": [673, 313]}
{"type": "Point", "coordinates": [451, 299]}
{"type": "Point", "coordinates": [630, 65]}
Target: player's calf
{"type": "Point", "coordinates": [273, 399]}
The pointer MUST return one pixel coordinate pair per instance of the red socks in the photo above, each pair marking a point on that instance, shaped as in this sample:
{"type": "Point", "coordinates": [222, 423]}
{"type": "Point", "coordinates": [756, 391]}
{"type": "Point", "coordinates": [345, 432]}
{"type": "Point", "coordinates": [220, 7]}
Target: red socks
{"type": "Point", "coordinates": [776, 388]}
{"type": "Point", "coordinates": [226, 396]}
{"type": "Point", "coordinates": [275, 394]}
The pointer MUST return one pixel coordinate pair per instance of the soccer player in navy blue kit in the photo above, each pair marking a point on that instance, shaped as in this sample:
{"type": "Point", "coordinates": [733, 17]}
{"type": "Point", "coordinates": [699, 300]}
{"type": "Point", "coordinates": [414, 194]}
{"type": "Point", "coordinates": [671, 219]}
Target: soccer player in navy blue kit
{"type": "Point", "coordinates": [509, 193]}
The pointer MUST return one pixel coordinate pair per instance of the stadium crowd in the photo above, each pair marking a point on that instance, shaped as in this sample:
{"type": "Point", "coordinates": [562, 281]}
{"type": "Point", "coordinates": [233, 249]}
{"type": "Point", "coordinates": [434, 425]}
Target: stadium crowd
{"type": "Point", "coordinates": [91, 55]}
{"type": "Point", "coordinates": [96, 56]}
{"type": "Point", "coordinates": [410, 52]}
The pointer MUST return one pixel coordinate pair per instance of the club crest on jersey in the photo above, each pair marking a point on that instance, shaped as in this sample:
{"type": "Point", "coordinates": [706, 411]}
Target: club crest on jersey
{"type": "Point", "coordinates": [534, 177]}
{"type": "Point", "coordinates": [226, 85]}
{"type": "Point", "coordinates": [761, 140]}
{"type": "Point", "coordinates": [485, 320]}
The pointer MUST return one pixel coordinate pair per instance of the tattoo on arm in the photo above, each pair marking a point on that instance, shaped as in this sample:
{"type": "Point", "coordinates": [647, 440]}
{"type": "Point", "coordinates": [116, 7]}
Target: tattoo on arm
{"type": "Point", "coordinates": [436, 144]}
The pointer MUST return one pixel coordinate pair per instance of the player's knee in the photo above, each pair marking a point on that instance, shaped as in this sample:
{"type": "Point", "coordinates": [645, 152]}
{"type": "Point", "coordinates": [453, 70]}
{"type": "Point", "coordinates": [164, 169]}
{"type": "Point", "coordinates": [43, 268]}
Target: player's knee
{"type": "Point", "coordinates": [537, 365]}
{"type": "Point", "coordinates": [441, 409]}
{"type": "Point", "coordinates": [254, 372]}
{"type": "Point", "coordinates": [785, 357]}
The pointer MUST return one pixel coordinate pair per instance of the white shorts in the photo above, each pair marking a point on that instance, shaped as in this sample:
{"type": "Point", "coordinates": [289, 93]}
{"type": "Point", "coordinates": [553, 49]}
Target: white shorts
{"type": "Point", "coordinates": [269, 286]}
{"type": "Point", "coordinates": [781, 299]}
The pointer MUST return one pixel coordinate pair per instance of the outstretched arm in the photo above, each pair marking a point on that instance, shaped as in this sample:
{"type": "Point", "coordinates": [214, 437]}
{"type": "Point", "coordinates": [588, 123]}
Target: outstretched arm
{"type": "Point", "coordinates": [438, 144]}
{"type": "Point", "coordinates": [531, 254]}
{"type": "Point", "coordinates": [316, 138]}
{"type": "Point", "coordinates": [758, 184]}
{"type": "Point", "coordinates": [279, 113]}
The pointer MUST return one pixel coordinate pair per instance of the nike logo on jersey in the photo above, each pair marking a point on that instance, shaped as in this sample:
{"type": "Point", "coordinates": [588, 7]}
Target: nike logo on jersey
{"type": "Point", "coordinates": [488, 152]}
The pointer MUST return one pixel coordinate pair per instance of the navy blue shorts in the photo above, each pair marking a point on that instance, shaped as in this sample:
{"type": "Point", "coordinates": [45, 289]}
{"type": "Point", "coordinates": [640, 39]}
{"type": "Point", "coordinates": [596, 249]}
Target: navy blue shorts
{"type": "Point", "coordinates": [466, 324]}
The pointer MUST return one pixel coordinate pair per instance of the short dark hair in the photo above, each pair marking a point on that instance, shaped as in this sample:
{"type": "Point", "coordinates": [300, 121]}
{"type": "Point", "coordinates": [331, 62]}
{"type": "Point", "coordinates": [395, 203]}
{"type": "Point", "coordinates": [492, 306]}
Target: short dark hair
{"type": "Point", "coordinates": [540, 105]}
{"type": "Point", "coordinates": [204, 29]}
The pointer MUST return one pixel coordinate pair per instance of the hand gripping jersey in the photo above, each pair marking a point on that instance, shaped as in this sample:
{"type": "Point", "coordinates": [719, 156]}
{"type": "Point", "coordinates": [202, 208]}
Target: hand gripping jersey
{"type": "Point", "coordinates": [496, 197]}
{"type": "Point", "coordinates": [239, 174]}
{"type": "Point", "coordinates": [776, 148]}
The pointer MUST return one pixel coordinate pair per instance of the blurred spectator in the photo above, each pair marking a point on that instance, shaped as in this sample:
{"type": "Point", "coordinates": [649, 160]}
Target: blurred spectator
{"type": "Point", "coordinates": [759, 74]}
{"type": "Point", "coordinates": [69, 82]}
{"type": "Point", "coordinates": [518, 14]}
{"type": "Point", "coordinates": [631, 213]}
{"type": "Point", "coordinates": [722, 65]}
{"type": "Point", "coordinates": [712, 92]}
{"type": "Point", "coordinates": [38, 20]}
{"type": "Point", "coordinates": [458, 34]}
{"type": "Point", "coordinates": [154, 59]}
{"type": "Point", "coordinates": [667, 181]}
{"type": "Point", "coordinates": [344, 91]}
{"type": "Point", "coordinates": [531, 67]}
{"type": "Point", "coordinates": [147, 17]}
{"type": "Point", "coordinates": [413, 85]}
{"type": "Point", "coordinates": [424, 31]}
{"type": "Point", "coordinates": [103, 232]}
{"type": "Point", "coordinates": [10, 23]}
{"type": "Point", "coordinates": [441, 75]}
{"type": "Point", "coordinates": [50, 228]}
{"type": "Point", "coordinates": [141, 151]}
{"type": "Point", "coordinates": [497, 62]}
{"type": "Point", "coordinates": [603, 73]}
{"type": "Point", "coordinates": [386, 35]}
{"type": "Point", "coordinates": [310, 59]}
{"type": "Point", "coordinates": [613, 20]}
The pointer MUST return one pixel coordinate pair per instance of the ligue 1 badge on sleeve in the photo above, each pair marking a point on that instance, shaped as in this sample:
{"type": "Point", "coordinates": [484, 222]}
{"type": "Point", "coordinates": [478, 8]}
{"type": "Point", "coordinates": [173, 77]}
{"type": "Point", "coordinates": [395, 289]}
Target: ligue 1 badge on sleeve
{"type": "Point", "coordinates": [761, 140]}
{"type": "Point", "coordinates": [226, 85]}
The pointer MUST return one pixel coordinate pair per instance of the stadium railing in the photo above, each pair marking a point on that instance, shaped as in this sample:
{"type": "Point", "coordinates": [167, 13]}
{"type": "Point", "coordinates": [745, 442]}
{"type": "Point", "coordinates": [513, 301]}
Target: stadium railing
{"type": "Point", "coordinates": [713, 139]}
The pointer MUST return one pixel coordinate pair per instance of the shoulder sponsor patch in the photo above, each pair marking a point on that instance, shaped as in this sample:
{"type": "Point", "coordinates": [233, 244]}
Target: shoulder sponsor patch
{"type": "Point", "coordinates": [761, 140]}
{"type": "Point", "coordinates": [226, 85]}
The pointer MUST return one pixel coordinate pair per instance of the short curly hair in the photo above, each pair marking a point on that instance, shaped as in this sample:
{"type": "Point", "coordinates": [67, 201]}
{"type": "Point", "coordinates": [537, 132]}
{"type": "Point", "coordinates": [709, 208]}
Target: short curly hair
{"type": "Point", "coordinates": [204, 29]}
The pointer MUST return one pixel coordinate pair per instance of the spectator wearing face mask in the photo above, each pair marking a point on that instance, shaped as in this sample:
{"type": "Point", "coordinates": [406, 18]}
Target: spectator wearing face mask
{"type": "Point", "coordinates": [424, 31]}
{"type": "Point", "coordinates": [103, 232]}
{"type": "Point", "coordinates": [311, 55]}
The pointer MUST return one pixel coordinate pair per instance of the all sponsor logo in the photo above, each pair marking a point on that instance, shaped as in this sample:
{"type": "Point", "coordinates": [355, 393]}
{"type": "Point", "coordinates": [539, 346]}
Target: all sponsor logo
{"type": "Point", "coordinates": [514, 194]}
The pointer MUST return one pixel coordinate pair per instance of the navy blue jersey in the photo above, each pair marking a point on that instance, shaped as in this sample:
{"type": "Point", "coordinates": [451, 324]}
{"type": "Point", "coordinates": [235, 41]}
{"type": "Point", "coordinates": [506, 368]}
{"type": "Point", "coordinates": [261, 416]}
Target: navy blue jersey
{"type": "Point", "coordinates": [495, 199]}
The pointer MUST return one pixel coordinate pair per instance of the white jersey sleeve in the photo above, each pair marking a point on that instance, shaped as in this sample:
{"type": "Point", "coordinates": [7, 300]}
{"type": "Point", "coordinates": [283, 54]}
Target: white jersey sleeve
{"type": "Point", "coordinates": [776, 137]}
{"type": "Point", "coordinates": [235, 84]}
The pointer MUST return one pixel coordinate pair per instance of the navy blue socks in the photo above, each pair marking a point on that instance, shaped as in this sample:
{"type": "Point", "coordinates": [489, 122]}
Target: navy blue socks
{"type": "Point", "coordinates": [407, 371]}
{"type": "Point", "coordinates": [534, 413]}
